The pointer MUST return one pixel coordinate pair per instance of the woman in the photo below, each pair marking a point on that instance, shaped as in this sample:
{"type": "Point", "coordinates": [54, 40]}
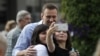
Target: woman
{"type": "Point", "coordinates": [58, 42]}
{"type": "Point", "coordinates": [39, 40]}
{"type": "Point", "coordinates": [9, 25]}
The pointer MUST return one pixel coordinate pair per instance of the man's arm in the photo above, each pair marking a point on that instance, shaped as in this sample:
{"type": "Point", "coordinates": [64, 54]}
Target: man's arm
{"type": "Point", "coordinates": [24, 39]}
{"type": "Point", "coordinates": [27, 52]}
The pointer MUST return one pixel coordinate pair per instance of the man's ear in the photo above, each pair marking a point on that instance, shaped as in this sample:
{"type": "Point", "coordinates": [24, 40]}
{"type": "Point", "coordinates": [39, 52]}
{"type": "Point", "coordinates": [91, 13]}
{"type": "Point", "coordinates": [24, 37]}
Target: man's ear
{"type": "Point", "coordinates": [41, 15]}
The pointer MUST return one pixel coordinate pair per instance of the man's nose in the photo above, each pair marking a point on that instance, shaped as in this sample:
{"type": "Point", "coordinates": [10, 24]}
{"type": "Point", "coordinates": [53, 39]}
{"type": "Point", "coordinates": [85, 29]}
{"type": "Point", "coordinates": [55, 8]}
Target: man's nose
{"type": "Point", "coordinates": [52, 20]}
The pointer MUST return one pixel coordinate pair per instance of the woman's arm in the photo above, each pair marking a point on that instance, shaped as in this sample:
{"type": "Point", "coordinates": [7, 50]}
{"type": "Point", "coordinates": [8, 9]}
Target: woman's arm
{"type": "Point", "coordinates": [49, 38]}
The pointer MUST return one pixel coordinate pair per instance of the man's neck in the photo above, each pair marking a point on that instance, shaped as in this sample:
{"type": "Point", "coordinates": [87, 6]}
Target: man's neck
{"type": "Point", "coordinates": [21, 27]}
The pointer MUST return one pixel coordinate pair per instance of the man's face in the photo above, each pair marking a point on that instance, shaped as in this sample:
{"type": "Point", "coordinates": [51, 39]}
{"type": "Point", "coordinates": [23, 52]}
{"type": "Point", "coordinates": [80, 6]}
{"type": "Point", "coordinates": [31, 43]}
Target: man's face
{"type": "Point", "coordinates": [49, 16]}
{"type": "Point", "coordinates": [26, 20]}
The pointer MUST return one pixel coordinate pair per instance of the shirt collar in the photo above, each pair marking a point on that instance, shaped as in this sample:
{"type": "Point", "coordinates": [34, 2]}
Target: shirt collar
{"type": "Point", "coordinates": [18, 28]}
{"type": "Point", "coordinates": [40, 22]}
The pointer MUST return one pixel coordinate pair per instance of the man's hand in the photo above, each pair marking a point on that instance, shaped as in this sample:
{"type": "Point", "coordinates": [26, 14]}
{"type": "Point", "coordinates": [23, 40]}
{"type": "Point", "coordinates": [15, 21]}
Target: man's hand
{"type": "Point", "coordinates": [30, 51]}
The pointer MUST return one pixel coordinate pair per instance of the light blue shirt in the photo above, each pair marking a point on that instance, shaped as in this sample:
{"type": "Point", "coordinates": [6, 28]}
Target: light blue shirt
{"type": "Point", "coordinates": [24, 39]}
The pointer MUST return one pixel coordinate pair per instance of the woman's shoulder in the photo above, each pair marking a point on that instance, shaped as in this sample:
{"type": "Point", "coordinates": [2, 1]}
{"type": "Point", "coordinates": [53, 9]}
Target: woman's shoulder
{"type": "Point", "coordinates": [40, 47]}
{"type": "Point", "coordinates": [41, 50]}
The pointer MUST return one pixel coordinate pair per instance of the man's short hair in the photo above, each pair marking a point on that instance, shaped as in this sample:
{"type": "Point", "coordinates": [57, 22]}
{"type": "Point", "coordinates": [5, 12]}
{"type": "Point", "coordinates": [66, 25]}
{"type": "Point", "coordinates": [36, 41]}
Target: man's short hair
{"type": "Point", "coordinates": [21, 14]}
{"type": "Point", "coordinates": [49, 6]}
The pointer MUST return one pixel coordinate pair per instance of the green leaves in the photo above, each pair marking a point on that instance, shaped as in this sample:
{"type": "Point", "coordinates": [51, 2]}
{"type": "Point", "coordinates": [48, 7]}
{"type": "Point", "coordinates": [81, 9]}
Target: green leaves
{"type": "Point", "coordinates": [80, 13]}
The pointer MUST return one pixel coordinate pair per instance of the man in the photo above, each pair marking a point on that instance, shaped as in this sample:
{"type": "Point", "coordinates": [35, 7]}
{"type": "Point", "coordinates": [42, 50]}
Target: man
{"type": "Point", "coordinates": [3, 45]}
{"type": "Point", "coordinates": [23, 18]}
{"type": "Point", "coordinates": [22, 47]}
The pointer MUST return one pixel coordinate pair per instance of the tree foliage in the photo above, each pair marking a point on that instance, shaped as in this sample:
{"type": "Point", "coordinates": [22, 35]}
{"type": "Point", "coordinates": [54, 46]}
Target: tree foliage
{"type": "Point", "coordinates": [84, 15]}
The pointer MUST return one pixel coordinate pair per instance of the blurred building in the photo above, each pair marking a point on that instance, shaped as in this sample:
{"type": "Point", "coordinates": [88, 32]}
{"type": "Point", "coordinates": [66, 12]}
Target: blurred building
{"type": "Point", "coordinates": [9, 8]}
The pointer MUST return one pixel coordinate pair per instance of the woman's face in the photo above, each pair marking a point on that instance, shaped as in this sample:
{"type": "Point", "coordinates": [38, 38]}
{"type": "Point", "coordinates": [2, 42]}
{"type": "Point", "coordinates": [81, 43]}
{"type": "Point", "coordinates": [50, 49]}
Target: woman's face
{"type": "Point", "coordinates": [42, 37]}
{"type": "Point", "coordinates": [61, 35]}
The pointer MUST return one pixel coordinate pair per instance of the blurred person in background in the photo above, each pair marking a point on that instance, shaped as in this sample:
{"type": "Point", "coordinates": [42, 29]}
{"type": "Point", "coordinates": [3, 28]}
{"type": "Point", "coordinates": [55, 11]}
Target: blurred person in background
{"type": "Point", "coordinates": [9, 25]}
{"type": "Point", "coordinates": [97, 51]}
{"type": "Point", "coordinates": [23, 18]}
{"type": "Point", "coordinates": [23, 46]}
{"type": "Point", "coordinates": [3, 45]}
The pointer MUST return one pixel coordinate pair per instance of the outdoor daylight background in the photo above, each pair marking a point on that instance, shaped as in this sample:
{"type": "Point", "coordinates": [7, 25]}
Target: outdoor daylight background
{"type": "Point", "coordinates": [83, 17]}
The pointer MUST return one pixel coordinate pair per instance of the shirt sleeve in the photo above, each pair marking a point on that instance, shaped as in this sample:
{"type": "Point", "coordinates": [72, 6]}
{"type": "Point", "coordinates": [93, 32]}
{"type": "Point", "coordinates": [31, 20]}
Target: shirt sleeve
{"type": "Point", "coordinates": [41, 50]}
{"type": "Point", "coordinates": [24, 39]}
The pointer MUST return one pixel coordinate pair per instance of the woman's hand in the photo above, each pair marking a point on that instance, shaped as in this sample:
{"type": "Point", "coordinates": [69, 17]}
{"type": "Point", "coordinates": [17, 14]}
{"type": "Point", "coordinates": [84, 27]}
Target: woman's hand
{"type": "Point", "coordinates": [49, 37]}
{"type": "Point", "coordinates": [51, 29]}
{"type": "Point", "coordinates": [73, 54]}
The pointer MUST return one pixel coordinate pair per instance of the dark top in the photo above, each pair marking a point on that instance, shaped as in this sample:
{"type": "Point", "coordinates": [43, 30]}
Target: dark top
{"type": "Point", "coordinates": [59, 52]}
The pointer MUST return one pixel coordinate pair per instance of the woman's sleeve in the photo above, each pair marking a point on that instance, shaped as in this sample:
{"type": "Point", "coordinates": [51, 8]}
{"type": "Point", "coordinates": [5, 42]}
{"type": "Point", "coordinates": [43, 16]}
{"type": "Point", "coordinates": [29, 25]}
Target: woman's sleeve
{"type": "Point", "coordinates": [41, 50]}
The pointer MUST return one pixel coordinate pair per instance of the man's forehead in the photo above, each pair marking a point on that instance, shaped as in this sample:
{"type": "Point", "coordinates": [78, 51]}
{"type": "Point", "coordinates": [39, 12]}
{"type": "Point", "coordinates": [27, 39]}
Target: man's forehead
{"type": "Point", "coordinates": [50, 10]}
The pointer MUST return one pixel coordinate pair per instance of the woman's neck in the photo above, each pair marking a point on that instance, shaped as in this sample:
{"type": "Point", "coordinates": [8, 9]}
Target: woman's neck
{"type": "Point", "coordinates": [62, 45]}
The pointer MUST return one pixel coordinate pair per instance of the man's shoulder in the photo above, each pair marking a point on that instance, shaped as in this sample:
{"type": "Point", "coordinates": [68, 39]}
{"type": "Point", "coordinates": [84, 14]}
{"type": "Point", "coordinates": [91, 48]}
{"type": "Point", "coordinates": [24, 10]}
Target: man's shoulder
{"type": "Point", "coordinates": [10, 33]}
{"type": "Point", "coordinates": [31, 25]}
